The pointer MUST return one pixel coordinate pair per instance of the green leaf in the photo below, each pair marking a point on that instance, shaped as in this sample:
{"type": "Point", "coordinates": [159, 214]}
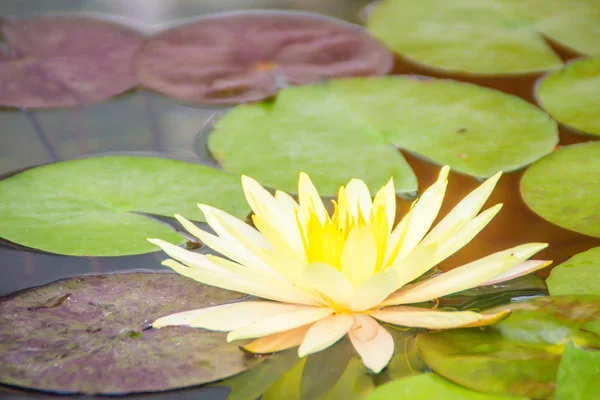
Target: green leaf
{"type": "Point", "coordinates": [518, 356]}
{"type": "Point", "coordinates": [564, 188]}
{"type": "Point", "coordinates": [429, 386]}
{"type": "Point", "coordinates": [578, 275]}
{"type": "Point", "coordinates": [571, 95]}
{"type": "Point", "coordinates": [90, 206]}
{"type": "Point", "coordinates": [254, 382]}
{"type": "Point", "coordinates": [91, 334]}
{"type": "Point", "coordinates": [578, 374]}
{"type": "Point", "coordinates": [346, 129]}
{"type": "Point", "coordinates": [486, 36]}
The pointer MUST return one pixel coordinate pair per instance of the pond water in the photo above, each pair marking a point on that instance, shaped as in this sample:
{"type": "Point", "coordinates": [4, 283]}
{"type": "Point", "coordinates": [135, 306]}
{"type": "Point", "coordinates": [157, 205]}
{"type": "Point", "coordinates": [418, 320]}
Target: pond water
{"type": "Point", "coordinates": [144, 122]}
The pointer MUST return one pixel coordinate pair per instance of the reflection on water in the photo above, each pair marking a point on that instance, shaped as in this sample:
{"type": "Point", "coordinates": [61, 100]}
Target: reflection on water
{"type": "Point", "coordinates": [143, 121]}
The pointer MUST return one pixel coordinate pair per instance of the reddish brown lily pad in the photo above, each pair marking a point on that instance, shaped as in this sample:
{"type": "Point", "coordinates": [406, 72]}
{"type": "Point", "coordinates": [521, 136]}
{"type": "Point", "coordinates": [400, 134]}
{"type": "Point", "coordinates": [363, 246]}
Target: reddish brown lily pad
{"type": "Point", "coordinates": [91, 334]}
{"type": "Point", "coordinates": [62, 61]}
{"type": "Point", "coordinates": [240, 57]}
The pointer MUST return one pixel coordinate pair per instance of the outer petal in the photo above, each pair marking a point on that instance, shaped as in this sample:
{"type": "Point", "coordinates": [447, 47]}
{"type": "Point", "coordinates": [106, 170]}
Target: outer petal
{"type": "Point", "coordinates": [522, 269]}
{"type": "Point", "coordinates": [325, 333]}
{"type": "Point", "coordinates": [242, 284]}
{"type": "Point", "coordinates": [424, 213]}
{"type": "Point", "coordinates": [278, 341]}
{"type": "Point", "coordinates": [464, 211]}
{"type": "Point", "coordinates": [280, 323]}
{"type": "Point", "coordinates": [377, 352]}
{"type": "Point", "coordinates": [330, 282]}
{"type": "Point", "coordinates": [465, 234]}
{"type": "Point", "coordinates": [227, 317]}
{"type": "Point", "coordinates": [386, 197]}
{"type": "Point", "coordinates": [467, 276]}
{"type": "Point", "coordinates": [415, 317]}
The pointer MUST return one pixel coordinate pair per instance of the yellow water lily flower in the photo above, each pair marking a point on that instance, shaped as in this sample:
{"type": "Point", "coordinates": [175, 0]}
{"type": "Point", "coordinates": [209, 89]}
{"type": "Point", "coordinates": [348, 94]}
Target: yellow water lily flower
{"type": "Point", "coordinates": [323, 276]}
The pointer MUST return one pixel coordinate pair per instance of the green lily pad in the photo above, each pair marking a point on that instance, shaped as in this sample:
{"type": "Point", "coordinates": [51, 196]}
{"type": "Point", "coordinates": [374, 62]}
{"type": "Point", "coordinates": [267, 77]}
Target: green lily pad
{"type": "Point", "coordinates": [90, 206]}
{"type": "Point", "coordinates": [571, 95]}
{"type": "Point", "coordinates": [578, 374]}
{"type": "Point", "coordinates": [578, 275]}
{"type": "Point", "coordinates": [348, 128]}
{"type": "Point", "coordinates": [429, 386]}
{"type": "Point", "coordinates": [564, 188]}
{"type": "Point", "coordinates": [486, 36]}
{"type": "Point", "coordinates": [90, 334]}
{"type": "Point", "coordinates": [518, 356]}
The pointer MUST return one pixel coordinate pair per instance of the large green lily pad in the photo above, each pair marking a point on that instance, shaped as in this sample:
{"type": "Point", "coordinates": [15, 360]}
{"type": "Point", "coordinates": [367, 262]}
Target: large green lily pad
{"type": "Point", "coordinates": [564, 188]}
{"type": "Point", "coordinates": [571, 95]}
{"type": "Point", "coordinates": [90, 334]}
{"type": "Point", "coordinates": [430, 386]}
{"type": "Point", "coordinates": [578, 374]}
{"type": "Point", "coordinates": [90, 206]}
{"type": "Point", "coordinates": [486, 36]}
{"type": "Point", "coordinates": [518, 356]}
{"type": "Point", "coordinates": [578, 275]}
{"type": "Point", "coordinates": [348, 128]}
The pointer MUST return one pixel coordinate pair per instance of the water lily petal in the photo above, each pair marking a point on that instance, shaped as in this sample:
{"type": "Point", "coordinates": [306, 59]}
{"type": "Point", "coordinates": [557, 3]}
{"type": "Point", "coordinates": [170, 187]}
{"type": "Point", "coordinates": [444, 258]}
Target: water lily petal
{"type": "Point", "coordinates": [359, 198]}
{"type": "Point", "coordinates": [395, 240]}
{"type": "Point", "coordinates": [280, 323]}
{"type": "Point", "coordinates": [359, 257]}
{"type": "Point", "coordinates": [274, 213]}
{"type": "Point", "coordinates": [461, 237]}
{"type": "Point", "coordinates": [466, 276]}
{"type": "Point", "coordinates": [365, 328]}
{"type": "Point", "coordinates": [227, 317]}
{"type": "Point", "coordinates": [330, 282]}
{"type": "Point", "coordinates": [464, 211]}
{"type": "Point", "coordinates": [423, 213]}
{"type": "Point", "coordinates": [382, 284]}
{"type": "Point", "coordinates": [416, 317]}
{"type": "Point", "coordinates": [325, 333]}
{"type": "Point", "coordinates": [524, 268]}
{"type": "Point", "coordinates": [309, 197]}
{"type": "Point", "coordinates": [377, 352]}
{"type": "Point", "coordinates": [277, 341]}
{"type": "Point", "coordinates": [241, 284]}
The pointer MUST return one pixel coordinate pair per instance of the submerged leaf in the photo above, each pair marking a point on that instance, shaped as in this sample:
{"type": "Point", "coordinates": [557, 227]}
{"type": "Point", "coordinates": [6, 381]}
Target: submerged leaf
{"type": "Point", "coordinates": [571, 95]}
{"type": "Point", "coordinates": [486, 36]}
{"type": "Point", "coordinates": [578, 275]}
{"type": "Point", "coordinates": [518, 356]}
{"type": "Point", "coordinates": [578, 374]}
{"type": "Point", "coordinates": [96, 340]}
{"type": "Point", "coordinates": [60, 61]}
{"type": "Point", "coordinates": [248, 56]}
{"type": "Point", "coordinates": [91, 206]}
{"type": "Point", "coordinates": [347, 129]}
{"type": "Point", "coordinates": [427, 387]}
{"type": "Point", "coordinates": [564, 188]}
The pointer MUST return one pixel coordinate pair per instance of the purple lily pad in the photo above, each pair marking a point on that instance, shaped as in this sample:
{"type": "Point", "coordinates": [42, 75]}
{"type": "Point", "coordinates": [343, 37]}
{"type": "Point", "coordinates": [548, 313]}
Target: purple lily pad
{"type": "Point", "coordinates": [241, 57]}
{"type": "Point", "coordinates": [65, 61]}
{"type": "Point", "coordinates": [91, 334]}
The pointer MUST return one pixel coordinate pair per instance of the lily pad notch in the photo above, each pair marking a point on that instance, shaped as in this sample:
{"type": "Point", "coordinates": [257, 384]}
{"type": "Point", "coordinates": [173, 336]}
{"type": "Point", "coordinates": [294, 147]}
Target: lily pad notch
{"type": "Point", "coordinates": [93, 206]}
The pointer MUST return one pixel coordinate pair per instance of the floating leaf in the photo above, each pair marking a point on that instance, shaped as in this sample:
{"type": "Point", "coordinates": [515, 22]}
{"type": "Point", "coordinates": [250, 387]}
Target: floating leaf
{"type": "Point", "coordinates": [91, 206]}
{"type": "Point", "coordinates": [578, 275]}
{"type": "Point", "coordinates": [578, 374]}
{"type": "Point", "coordinates": [571, 95]}
{"type": "Point", "coordinates": [65, 61]}
{"type": "Point", "coordinates": [347, 129]}
{"type": "Point", "coordinates": [564, 188]}
{"type": "Point", "coordinates": [486, 36]}
{"type": "Point", "coordinates": [90, 334]}
{"type": "Point", "coordinates": [429, 386]}
{"type": "Point", "coordinates": [518, 356]}
{"type": "Point", "coordinates": [247, 56]}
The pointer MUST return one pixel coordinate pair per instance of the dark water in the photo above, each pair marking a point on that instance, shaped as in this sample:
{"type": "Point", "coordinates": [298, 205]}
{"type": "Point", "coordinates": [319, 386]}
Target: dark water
{"type": "Point", "coordinates": [141, 121]}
